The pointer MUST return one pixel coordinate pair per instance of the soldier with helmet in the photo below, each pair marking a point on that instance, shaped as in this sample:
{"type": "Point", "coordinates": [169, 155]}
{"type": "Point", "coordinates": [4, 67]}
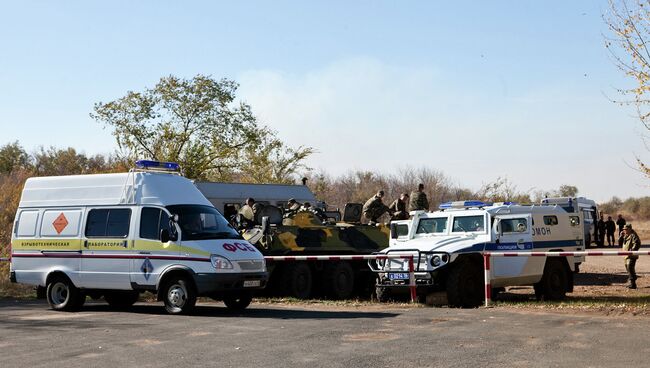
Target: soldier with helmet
{"type": "Point", "coordinates": [631, 242]}
{"type": "Point", "coordinates": [374, 207]}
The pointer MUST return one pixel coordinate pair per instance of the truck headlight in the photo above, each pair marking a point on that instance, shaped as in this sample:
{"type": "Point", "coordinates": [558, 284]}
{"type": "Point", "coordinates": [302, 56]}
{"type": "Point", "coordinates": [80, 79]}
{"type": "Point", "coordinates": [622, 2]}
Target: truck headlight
{"type": "Point", "coordinates": [436, 261]}
{"type": "Point", "coordinates": [220, 263]}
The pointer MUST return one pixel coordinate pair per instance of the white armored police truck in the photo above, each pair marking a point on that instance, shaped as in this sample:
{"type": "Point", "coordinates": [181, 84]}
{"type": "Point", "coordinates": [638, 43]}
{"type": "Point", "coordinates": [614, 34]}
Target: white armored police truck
{"type": "Point", "coordinates": [116, 235]}
{"type": "Point", "coordinates": [448, 244]}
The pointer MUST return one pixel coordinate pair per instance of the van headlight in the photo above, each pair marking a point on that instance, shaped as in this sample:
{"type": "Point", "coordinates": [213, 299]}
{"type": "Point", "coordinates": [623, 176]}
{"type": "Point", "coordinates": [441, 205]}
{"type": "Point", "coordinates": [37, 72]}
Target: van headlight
{"type": "Point", "coordinates": [220, 263]}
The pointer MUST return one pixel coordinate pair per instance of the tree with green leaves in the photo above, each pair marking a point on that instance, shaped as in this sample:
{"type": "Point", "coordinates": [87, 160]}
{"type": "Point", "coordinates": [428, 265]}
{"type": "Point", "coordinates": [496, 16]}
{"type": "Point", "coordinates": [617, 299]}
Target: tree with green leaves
{"type": "Point", "coordinates": [13, 157]}
{"type": "Point", "coordinates": [199, 123]}
{"type": "Point", "coordinates": [629, 25]}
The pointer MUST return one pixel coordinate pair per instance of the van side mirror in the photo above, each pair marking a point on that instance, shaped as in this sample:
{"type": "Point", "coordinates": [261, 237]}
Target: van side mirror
{"type": "Point", "coordinates": [164, 235]}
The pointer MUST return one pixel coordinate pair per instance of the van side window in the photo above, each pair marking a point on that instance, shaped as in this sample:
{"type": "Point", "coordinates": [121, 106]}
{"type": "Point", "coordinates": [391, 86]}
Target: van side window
{"type": "Point", "coordinates": [110, 223]}
{"type": "Point", "coordinates": [152, 220]}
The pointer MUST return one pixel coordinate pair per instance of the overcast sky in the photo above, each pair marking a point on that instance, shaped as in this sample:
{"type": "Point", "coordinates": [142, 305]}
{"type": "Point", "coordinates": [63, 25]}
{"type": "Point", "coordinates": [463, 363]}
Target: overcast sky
{"type": "Point", "coordinates": [478, 90]}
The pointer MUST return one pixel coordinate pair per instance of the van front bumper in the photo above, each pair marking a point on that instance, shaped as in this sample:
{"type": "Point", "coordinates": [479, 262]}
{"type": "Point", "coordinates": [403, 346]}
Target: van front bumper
{"type": "Point", "coordinates": [208, 284]}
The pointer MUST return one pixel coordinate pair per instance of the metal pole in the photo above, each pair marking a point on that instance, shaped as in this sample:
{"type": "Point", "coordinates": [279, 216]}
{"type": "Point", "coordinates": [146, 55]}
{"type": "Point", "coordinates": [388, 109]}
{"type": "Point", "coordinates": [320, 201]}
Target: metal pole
{"type": "Point", "coordinates": [488, 286]}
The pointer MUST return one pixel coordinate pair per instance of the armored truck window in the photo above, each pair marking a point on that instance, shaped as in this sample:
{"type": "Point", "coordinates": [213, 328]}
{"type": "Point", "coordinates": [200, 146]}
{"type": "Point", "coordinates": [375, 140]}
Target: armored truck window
{"type": "Point", "coordinates": [152, 220]}
{"type": "Point", "coordinates": [468, 224]}
{"type": "Point", "coordinates": [432, 225]}
{"type": "Point", "coordinates": [509, 226]}
{"type": "Point", "coordinates": [110, 223]}
{"type": "Point", "coordinates": [550, 220]}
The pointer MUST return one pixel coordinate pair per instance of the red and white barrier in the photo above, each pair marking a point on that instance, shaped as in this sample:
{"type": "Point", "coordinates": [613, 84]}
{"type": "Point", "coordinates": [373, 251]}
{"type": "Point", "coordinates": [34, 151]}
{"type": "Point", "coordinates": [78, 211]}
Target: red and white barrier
{"type": "Point", "coordinates": [488, 255]}
{"type": "Point", "coordinates": [409, 257]}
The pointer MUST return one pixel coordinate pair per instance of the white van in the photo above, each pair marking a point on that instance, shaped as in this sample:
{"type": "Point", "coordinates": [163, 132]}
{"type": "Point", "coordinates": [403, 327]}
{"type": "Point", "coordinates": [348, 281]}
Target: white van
{"type": "Point", "coordinates": [116, 235]}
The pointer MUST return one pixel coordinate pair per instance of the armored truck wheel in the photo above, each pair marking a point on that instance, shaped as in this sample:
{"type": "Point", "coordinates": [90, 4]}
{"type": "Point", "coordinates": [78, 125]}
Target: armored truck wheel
{"type": "Point", "coordinates": [465, 284]}
{"type": "Point", "coordinates": [554, 283]}
{"type": "Point", "coordinates": [297, 280]}
{"type": "Point", "coordinates": [339, 280]}
{"type": "Point", "coordinates": [62, 295]}
{"type": "Point", "coordinates": [121, 299]}
{"type": "Point", "coordinates": [179, 296]}
{"type": "Point", "coordinates": [238, 302]}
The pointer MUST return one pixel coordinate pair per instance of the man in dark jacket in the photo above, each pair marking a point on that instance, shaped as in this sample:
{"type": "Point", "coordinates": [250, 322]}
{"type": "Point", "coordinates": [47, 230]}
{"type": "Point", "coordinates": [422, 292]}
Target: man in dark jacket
{"type": "Point", "coordinates": [610, 228]}
{"type": "Point", "coordinates": [398, 208]}
{"type": "Point", "coordinates": [601, 232]}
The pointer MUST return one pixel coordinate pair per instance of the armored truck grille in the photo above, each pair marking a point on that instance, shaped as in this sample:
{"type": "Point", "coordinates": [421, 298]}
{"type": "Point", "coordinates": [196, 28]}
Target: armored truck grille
{"type": "Point", "coordinates": [251, 265]}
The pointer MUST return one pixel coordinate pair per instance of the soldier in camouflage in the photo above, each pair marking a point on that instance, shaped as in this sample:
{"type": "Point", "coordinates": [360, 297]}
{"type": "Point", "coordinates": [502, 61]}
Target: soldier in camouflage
{"type": "Point", "coordinates": [631, 242]}
{"type": "Point", "coordinates": [374, 207]}
{"type": "Point", "coordinates": [398, 208]}
{"type": "Point", "coordinates": [419, 200]}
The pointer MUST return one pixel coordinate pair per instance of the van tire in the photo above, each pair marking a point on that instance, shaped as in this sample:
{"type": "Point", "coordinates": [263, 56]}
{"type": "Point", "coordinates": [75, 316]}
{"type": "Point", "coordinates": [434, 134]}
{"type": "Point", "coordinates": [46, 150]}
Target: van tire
{"type": "Point", "coordinates": [238, 302]}
{"type": "Point", "coordinates": [178, 295]}
{"type": "Point", "coordinates": [554, 283]}
{"type": "Point", "coordinates": [62, 295]}
{"type": "Point", "coordinates": [338, 282]}
{"type": "Point", "coordinates": [297, 280]}
{"type": "Point", "coordinates": [465, 285]}
{"type": "Point", "coordinates": [121, 299]}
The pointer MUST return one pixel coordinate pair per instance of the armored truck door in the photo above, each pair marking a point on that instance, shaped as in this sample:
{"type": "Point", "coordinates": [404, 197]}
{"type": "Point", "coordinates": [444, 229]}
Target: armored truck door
{"type": "Point", "coordinates": [513, 233]}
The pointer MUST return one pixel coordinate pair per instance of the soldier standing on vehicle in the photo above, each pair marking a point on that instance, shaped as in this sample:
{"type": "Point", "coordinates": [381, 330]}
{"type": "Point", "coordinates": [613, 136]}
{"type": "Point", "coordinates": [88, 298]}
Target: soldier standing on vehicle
{"type": "Point", "coordinates": [419, 200]}
{"type": "Point", "coordinates": [631, 242]}
{"type": "Point", "coordinates": [621, 223]}
{"type": "Point", "coordinates": [374, 207]}
{"type": "Point", "coordinates": [610, 228]}
{"type": "Point", "coordinates": [248, 213]}
{"type": "Point", "coordinates": [398, 208]}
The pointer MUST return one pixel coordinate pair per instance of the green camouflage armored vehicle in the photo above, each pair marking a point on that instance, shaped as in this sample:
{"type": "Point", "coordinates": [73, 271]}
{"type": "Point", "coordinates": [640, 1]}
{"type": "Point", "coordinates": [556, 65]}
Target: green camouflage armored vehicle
{"type": "Point", "coordinates": [316, 232]}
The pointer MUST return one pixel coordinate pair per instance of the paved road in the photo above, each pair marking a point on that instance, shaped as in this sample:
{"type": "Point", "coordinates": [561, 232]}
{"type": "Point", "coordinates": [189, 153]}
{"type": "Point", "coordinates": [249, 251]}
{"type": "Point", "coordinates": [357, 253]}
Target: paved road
{"type": "Point", "coordinates": [316, 336]}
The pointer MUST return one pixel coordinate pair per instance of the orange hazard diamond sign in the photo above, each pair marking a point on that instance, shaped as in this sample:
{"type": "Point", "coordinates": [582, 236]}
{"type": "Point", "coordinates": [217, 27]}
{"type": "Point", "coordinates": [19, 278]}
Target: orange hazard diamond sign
{"type": "Point", "coordinates": [60, 223]}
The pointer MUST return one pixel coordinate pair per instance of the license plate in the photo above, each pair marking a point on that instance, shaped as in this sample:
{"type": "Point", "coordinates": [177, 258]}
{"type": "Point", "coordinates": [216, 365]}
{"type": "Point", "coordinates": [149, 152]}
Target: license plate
{"type": "Point", "coordinates": [398, 276]}
{"type": "Point", "coordinates": [252, 283]}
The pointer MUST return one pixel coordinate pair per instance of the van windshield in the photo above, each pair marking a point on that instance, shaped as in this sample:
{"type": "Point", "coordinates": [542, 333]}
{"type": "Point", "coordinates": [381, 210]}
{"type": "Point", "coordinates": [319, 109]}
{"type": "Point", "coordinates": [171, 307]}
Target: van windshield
{"type": "Point", "coordinates": [202, 222]}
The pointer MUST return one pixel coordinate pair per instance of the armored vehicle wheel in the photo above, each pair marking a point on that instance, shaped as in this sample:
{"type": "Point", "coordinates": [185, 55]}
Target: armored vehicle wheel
{"type": "Point", "coordinates": [62, 295]}
{"type": "Point", "coordinates": [383, 294]}
{"type": "Point", "coordinates": [338, 282]}
{"type": "Point", "coordinates": [297, 280]}
{"type": "Point", "coordinates": [121, 299]}
{"type": "Point", "coordinates": [553, 285]}
{"type": "Point", "coordinates": [465, 285]}
{"type": "Point", "coordinates": [238, 302]}
{"type": "Point", "coordinates": [178, 295]}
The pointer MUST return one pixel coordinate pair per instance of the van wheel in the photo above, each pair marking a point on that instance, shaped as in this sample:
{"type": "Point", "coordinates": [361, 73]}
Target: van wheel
{"type": "Point", "coordinates": [62, 295]}
{"type": "Point", "coordinates": [121, 299]}
{"type": "Point", "coordinates": [465, 285]}
{"type": "Point", "coordinates": [553, 285]}
{"type": "Point", "coordinates": [339, 280]}
{"type": "Point", "coordinates": [238, 302]}
{"type": "Point", "coordinates": [297, 280]}
{"type": "Point", "coordinates": [179, 296]}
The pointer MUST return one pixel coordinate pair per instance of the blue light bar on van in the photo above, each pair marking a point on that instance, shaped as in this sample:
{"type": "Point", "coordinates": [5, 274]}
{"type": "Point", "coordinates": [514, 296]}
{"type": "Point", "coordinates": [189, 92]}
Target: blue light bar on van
{"type": "Point", "coordinates": [157, 165]}
{"type": "Point", "coordinates": [461, 204]}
